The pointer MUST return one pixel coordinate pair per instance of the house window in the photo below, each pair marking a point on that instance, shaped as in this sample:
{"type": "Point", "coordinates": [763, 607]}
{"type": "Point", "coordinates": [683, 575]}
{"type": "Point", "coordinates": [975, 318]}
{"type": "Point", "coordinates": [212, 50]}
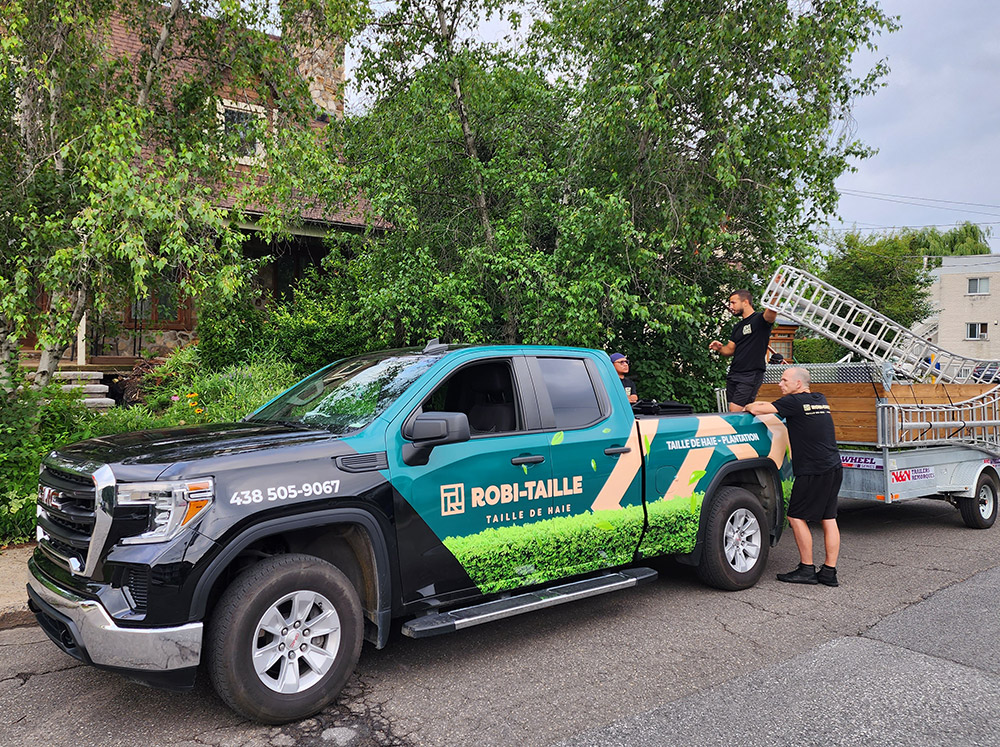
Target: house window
{"type": "Point", "coordinates": [977, 331]}
{"type": "Point", "coordinates": [163, 308]}
{"type": "Point", "coordinates": [241, 125]}
{"type": "Point", "coordinates": [979, 286]}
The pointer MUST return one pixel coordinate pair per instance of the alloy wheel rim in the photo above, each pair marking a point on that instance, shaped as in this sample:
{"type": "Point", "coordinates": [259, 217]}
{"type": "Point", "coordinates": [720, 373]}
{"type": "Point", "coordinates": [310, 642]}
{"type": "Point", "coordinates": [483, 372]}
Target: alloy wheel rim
{"type": "Point", "coordinates": [742, 540]}
{"type": "Point", "coordinates": [296, 642]}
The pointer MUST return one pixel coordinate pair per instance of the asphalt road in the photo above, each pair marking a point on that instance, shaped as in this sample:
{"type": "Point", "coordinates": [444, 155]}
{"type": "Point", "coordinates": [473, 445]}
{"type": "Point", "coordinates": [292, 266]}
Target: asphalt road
{"type": "Point", "coordinates": [671, 662]}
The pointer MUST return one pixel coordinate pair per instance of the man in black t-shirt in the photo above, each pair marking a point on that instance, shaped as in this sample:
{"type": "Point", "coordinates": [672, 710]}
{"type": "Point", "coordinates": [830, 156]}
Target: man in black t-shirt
{"type": "Point", "coordinates": [748, 347]}
{"type": "Point", "coordinates": [818, 474]}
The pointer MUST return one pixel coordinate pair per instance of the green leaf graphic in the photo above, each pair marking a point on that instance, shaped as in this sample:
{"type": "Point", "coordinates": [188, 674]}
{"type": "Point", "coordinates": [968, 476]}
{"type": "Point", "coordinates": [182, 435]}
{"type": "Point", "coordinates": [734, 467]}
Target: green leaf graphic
{"type": "Point", "coordinates": [525, 468]}
{"type": "Point", "coordinates": [606, 430]}
{"type": "Point", "coordinates": [605, 525]}
{"type": "Point", "coordinates": [696, 475]}
{"type": "Point", "coordinates": [557, 438]}
{"type": "Point", "coordinates": [593, 463]}
{"type": "Point", "coordinates": [645, 440]}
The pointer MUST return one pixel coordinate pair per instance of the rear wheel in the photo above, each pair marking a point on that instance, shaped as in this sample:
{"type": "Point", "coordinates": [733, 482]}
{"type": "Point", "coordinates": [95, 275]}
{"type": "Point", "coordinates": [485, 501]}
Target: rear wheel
{"type": "Point", "coordinates": [980, 510]}
{"type": "Point", "coordinates": [736, 544]}
{"type": "Point", "coordinates": [284, 638]}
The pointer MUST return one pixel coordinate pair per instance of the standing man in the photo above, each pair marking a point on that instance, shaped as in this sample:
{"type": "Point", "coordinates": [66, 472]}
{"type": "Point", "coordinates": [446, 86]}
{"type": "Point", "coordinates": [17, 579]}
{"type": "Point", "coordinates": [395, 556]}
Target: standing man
{"type": "Point", "coordinates": [748, 347]}
{"type": "Point", "coordinates": [621, 366]}
{"type": "Point", "coordinates": [816, 465]}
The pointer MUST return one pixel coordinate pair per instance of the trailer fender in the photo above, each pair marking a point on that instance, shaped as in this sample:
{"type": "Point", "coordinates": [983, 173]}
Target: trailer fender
{"type": "Point", "coordinates": [963, 479]}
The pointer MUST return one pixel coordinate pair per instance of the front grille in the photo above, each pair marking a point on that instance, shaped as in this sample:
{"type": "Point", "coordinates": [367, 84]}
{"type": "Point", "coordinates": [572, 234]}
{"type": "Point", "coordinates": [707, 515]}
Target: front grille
{"type": "Point", "coordinates": [66, 515]}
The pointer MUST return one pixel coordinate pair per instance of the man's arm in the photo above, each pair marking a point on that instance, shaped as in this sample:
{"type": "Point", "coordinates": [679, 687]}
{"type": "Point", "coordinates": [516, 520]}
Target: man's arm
{"type": "Point", "coordinates": [724, 350]}
{"type": "Point", "coordinates": [770, 315]}
{"type": "Point", "coordinates": [760, 408]}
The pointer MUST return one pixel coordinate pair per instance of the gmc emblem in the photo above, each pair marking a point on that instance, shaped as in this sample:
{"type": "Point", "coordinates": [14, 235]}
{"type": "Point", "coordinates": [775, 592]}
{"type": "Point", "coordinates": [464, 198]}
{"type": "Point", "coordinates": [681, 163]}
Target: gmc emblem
{"type": "Point", "coordinates": [49, 497]}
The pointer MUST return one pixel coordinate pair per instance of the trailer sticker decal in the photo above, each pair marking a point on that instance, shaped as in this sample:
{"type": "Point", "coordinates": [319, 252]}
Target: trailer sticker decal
{"type": "Point", "coordinates": [912, 474]}
{"type": "Point", "coordinates": [854, 461]}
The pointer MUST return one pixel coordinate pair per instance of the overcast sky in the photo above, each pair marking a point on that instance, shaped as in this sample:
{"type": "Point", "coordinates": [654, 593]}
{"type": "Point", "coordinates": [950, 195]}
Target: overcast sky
{"type": "Point", "coordinates": [936, 123]}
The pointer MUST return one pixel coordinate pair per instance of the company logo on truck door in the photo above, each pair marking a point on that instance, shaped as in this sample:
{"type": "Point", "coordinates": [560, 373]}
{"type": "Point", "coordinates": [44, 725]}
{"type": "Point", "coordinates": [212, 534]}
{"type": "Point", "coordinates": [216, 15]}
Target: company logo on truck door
{"type": "Point", "coordinates": [453, 496]}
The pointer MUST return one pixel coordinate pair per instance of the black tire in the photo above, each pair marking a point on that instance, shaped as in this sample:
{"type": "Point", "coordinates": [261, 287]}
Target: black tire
{"type": "Point", "coordinates": [736, 541]}
{"type": "Point", "coordinates": [980, 510]}
{"type": "Point", "coordinates": [284, 594]}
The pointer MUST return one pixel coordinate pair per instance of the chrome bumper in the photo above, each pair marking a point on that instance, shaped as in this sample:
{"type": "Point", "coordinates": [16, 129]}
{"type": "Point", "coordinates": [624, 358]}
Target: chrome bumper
{"type": "Point", "coordinates": [103, 642]}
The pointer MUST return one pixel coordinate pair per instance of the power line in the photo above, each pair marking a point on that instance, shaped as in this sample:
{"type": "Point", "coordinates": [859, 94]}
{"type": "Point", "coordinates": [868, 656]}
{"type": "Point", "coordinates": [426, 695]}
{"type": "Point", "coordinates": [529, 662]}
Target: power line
{"type": "Point", "coordinates": [865, 193]}
{"type": "Point", "coordinates": [919, 204]}
{"type": "Point", "coordinates": [892, 228]}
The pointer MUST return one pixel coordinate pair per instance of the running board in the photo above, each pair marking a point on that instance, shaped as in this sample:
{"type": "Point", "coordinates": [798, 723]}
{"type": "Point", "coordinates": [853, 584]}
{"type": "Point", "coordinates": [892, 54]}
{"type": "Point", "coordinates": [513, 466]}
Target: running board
{"type": "Point", "coordinates": [467, 617]}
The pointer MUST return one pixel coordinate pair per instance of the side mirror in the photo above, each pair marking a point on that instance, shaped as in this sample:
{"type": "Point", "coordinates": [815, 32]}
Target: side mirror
{"type": "Point", "coordinates": [430, 429]}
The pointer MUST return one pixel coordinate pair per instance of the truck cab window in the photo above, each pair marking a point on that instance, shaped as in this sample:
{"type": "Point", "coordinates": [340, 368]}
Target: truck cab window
{"type": "Point", "coordinates": [485, 393]}
{"type": "Point", "coordinates": [571, 391]}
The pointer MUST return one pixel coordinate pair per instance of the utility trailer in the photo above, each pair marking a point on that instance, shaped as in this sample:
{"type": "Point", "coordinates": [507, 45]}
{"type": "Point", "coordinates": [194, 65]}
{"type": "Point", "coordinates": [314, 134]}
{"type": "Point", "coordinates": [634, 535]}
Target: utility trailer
{"type": "Point", "coordinates": [911, 419]}
{"type": "Point", "coordinates": [907, 441]}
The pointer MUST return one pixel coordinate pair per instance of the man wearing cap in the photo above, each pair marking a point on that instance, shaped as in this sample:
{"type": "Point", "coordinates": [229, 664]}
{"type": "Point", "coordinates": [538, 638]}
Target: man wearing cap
{"type": "Point", "coordinates": [621, 366]}
{"type": "Point", "coordinates": [747, 346]}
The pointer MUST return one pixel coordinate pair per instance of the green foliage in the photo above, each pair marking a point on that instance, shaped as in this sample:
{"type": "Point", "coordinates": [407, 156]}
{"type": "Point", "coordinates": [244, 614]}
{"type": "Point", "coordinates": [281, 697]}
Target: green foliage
{"type": "Point", "coordinates": [230, 330]}
{"type": "Point", "coordinates": [604, 186]}
{"type": "Point", "coordinates": [318, 327]}
{"type": "Point", "coordinates": [884, 272]}
{"type": "Point", "coordinates": [184, 392]}
{"type": "Point", "coordinates": [181, 391]}
{"type": "Point", "coordinates": [966, 238]}
{"type": "Point", "coordinates": [817, 350]}
{"type": "Point", "coordinates": [509, 557]}
{"type": "Point", "coordinates": [115, 175]}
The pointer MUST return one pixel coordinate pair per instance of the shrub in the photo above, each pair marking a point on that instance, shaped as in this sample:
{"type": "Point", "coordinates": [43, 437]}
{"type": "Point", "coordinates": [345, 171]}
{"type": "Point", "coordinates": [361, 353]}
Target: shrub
{"type": "Point", "coordinates": [818, 350]}
{"type": "Point", "coordinates": [180, 392]}
{"type": "Point", "coordinates": [230, 331]}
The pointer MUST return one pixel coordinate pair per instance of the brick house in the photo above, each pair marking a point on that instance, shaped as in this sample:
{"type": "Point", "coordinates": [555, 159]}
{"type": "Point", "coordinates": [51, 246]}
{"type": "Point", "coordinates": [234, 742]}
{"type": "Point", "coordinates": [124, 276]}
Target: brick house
{"type": "Point", "coordinates": [164, 319]}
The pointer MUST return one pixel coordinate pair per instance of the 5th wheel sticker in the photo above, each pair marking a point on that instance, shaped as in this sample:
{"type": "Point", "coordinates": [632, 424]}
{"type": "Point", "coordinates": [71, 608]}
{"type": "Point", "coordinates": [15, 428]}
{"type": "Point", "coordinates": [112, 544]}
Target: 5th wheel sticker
{"type": "Point", "coordinates": [282, 492]}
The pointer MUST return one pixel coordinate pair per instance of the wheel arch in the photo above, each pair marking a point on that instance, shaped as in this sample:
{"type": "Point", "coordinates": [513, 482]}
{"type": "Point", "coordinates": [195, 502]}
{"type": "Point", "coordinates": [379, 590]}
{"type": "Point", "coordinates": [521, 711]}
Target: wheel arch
{"type": "Point", "coordinates": [761, 478]}
{"type": "Point", "coordinates": [350, 539]}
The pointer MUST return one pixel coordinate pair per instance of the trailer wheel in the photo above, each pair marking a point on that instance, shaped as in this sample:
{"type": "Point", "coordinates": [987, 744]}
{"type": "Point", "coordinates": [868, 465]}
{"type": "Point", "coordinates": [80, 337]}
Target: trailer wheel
{"type": "Point", "coordinates": [736, 544]}
{"type": "Point", "coordinates": [980, 510]}
{"type": "Point", "coordinates": [284, 638]}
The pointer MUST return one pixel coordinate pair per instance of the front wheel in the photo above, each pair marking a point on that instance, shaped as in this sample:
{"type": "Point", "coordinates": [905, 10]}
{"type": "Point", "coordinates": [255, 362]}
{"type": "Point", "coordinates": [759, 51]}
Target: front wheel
{"type": "Point", "coordinates": [980, 511]}
{"type": "Point", "coordinates": [284, 638]}
{"type": "Point", "coordinates": [736, 544]}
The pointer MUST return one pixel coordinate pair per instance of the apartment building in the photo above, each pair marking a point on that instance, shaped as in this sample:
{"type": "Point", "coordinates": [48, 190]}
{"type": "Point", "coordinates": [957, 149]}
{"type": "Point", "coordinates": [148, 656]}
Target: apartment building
{"type": "Point", "coordinates": [966, 294]}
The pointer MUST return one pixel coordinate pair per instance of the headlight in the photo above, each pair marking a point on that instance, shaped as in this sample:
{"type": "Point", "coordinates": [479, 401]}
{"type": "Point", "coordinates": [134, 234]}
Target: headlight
{"type": "Point", "coordinates": [173, 505]}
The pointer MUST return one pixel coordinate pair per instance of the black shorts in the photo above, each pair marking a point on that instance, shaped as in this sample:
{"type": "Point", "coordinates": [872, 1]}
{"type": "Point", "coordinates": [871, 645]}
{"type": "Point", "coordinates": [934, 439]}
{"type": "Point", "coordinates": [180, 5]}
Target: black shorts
{"type": "Point", "coordinates": [814, 497]}
{"type": "Point", "coordinates": [742, 388]}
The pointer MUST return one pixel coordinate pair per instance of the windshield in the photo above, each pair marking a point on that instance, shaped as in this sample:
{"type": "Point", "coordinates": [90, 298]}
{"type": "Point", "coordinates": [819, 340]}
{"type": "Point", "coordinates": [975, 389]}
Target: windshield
{"type": "Point", "coordinates": [348, 395]}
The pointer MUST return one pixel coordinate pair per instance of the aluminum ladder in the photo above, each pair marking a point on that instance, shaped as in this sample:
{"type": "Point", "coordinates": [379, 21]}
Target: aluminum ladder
{"type": "Point", "coordinates": [804, 298]}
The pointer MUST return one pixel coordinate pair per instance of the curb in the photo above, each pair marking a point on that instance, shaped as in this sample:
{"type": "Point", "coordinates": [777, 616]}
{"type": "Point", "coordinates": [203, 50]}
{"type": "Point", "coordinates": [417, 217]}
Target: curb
{"type": "Point", "coordinates": [14, 577]}
{"type": "Point", "coordinates": [16, 618]}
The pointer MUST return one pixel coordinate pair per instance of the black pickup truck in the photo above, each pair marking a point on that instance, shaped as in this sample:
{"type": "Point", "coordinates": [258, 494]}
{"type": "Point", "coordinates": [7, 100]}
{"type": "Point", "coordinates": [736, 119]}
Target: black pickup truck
{"type": "Point", "coordinates": [447, 486]}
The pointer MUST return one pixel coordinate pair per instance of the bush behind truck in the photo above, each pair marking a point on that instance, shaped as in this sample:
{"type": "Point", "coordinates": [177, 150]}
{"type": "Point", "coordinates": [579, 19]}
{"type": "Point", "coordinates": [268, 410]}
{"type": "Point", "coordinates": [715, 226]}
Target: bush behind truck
{"type": "Point", "coordinates": [449, 486]}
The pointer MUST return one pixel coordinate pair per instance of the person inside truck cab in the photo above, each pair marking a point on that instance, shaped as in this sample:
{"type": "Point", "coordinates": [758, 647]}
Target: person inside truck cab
{"type": "Point", "coordinates": [747, 347]}
{"type": "Point", "coordinates": [622, 367]}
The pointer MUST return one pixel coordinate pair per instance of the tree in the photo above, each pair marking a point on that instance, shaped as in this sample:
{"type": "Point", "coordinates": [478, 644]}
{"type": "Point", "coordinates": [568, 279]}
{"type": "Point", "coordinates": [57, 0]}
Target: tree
{"type": "Point", "coordinates": [114, 167]}
{"type": "Point", "coordinates": [608, 185]}
{"type": "Point", "coordinates": [889, 271]}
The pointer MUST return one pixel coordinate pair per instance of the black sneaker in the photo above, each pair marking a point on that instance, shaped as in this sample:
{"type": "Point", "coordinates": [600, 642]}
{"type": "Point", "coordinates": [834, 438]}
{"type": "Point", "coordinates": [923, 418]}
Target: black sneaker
{"type": "Point", "coordinates": [804, 574]}
{"type": "Point", "coordinates": [827, 575]}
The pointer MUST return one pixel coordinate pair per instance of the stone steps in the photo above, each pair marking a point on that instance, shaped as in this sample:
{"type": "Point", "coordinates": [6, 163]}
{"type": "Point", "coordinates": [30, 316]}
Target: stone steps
{"type": "Point", "coordinates": [87, 384]}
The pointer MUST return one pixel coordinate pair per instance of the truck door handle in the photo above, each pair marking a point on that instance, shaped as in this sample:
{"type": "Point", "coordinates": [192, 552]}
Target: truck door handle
{"type": "Point", "coordinates": [615, 450]}
{"type": "Point", "coordinates": [530, 459]}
